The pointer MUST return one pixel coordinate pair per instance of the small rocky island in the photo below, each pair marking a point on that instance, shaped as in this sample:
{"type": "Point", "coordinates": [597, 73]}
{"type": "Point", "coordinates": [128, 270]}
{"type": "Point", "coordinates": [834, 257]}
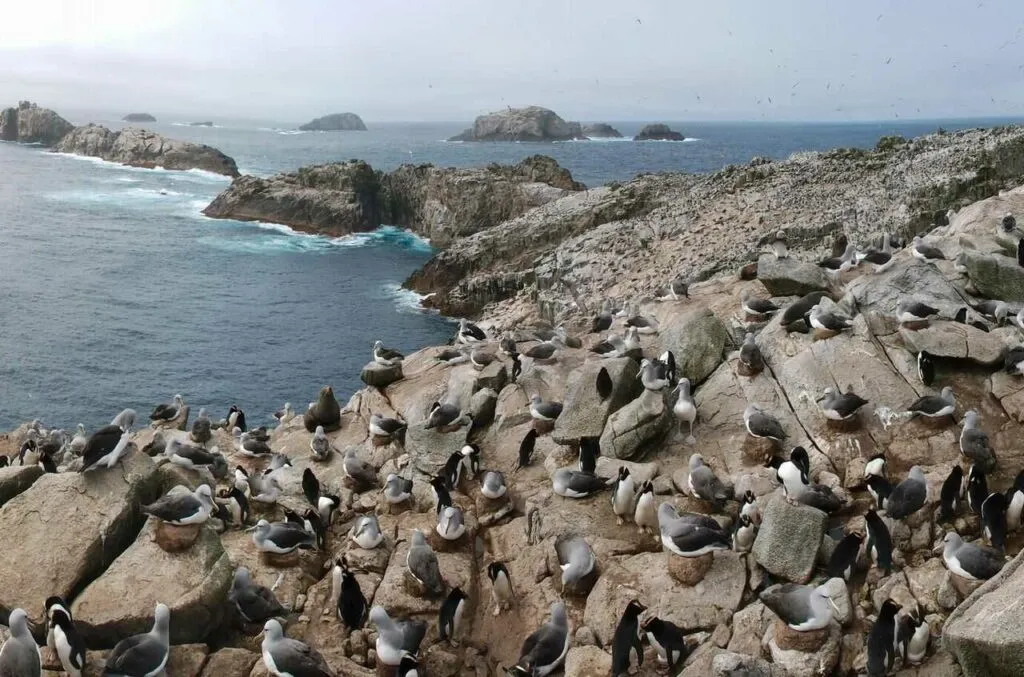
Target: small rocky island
{"type": "Point", "coordinates": [658, 132]}
{"type": "Point", "coordinates": [28, 123]}
{"type": "Point", "coordinates": [206, 123]}
{"type": "Point", "coordinates": [336, 122]}
{"type": "Point", "coordinates": [532, 123]}
{"type": "Point", "coordinates": [601, 130]}
{"type": "Point", "coordinates": [141, 148]}
{"type": "Point", "coordinates": [442, 204]}
{"type": "Point", "coordinates": [139, 117]}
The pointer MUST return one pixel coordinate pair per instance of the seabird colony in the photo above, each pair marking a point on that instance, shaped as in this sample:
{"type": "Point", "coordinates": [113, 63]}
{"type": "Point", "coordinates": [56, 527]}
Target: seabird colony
{"type": "Point", "coordinates": [264, 476]}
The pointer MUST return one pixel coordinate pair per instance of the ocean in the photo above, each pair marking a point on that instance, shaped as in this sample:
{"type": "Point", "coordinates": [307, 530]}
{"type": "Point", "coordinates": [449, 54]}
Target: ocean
{"type": "Point", "coordinates": [117, 292]}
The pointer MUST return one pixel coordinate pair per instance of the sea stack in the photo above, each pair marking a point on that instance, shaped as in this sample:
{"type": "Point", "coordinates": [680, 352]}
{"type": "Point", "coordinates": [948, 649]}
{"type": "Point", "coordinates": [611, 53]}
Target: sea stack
{"type": "Point", "coordinates": [139, 117]}
{"type": "Point", "coordinates": [658, 132]}
{"type": "Point", "coordinates": [532, 123]}
{"type": "Point", "coordinates": [28, 123]}
{"type": "Point", "coordinates": [601, 130]}
{"type": "Point", "coordinates": [335, 122]}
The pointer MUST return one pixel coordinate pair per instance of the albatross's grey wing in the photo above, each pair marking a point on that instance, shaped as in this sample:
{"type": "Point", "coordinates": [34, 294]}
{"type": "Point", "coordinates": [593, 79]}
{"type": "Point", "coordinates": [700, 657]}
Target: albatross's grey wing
{"type": "Point", "coordinates": [136, 655]}
{"type": "Point", "coordinates": [299, 659]}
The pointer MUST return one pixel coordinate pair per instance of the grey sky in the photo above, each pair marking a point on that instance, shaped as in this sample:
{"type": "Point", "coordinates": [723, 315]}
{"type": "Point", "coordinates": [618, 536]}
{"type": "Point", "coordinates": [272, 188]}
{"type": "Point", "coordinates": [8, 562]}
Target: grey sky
{"type": "Point", "coordinates": [291, 60]}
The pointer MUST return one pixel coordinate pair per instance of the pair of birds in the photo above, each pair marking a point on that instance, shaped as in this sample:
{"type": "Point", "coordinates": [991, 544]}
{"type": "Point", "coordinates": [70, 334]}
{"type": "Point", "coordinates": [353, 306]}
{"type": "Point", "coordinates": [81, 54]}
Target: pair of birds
{"type": "Point", "coordinates": [143, 654]}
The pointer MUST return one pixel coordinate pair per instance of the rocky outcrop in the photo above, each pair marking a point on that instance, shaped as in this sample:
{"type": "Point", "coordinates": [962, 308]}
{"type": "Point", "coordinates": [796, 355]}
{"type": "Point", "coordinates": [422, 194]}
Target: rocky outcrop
{"type": "Point", "coordinates": [658, 132]}
{"type": "Point", "coordinates": [28, 123]}
{"type": "Point", "coordinates": [205, 123]}
{"type": "Point", "coordinates": [601, 130]}
{"type": "Point", "coordinates": [139, 117]}
{"type": "Point", "coordinates": [335, 122]}
{"type": "Point", "coordinates": [606, 242]}
{"type": "Point", "coordinates": [440, 204]}
{"type": "Point", "coordinates": [141, 148]}
{"type": "Point", "coordinates": [532, 123]}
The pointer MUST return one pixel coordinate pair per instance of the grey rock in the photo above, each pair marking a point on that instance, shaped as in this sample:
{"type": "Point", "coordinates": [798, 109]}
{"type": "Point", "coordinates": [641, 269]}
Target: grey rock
{"type": "Point", "coordinates": [635, 425]}
{"type": "Point", "coordinates": [583, 412]}
{"type": "Point", "coordinates": [729, 664]}
{"type": "Point", "coordinates": [818, 663]}
{"type": "Point", "coordinates": [429, 450]}
{"type": "Point", "coordinates": [492, 377]}
{"type": "Point", "coordinates": [15, 479]}
{"type": "Point", "coordinates": [532, 123]}
{"type": "Point", "coordinates": [482, 405]}
{"type": "Point", "coordinates": [139, 117]}
{"type": "Point", "coordinates": [789, 277]}
{"type": "Point", "coordinates": [141, 148]}
{"type": "Point", "coordinates": [698, 339]}
{"type": "Point", "coordinates": [381, 375]}
{"type": "Point", "coordinates": [997, 277]}
{"type": "Point", "coordinates": [601, 130]}
{"type": "Point", "coordinates": [983, 633]}
{"type": "Point", "coordinates": [335, 122]}
{"type": "Point", "coordinates": [961, 341]}
{"type": "Point", "coordinates": [788, 540]}
{"type": "Point", "coordinates": [28, 123]}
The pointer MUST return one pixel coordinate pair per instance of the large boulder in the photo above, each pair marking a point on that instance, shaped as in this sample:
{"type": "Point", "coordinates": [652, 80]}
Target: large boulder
{"type": "Point", "coordinates": [960, 341]}
{"type": "Point", "coordinates": [630, 429]}
{"type": "Point", "coordinates": [335, 122]}
{"type": "Point", "coordinates": [697, 338]}
{"type": "Point", "coordinates": [15, 479]}
{"type": "Point", "coordinates": [28, 123]}
{"type": "Point", "coordinates": [995, 276]}
{"type": "Point", "coordinates": [141, 148]}
{"type": "Point", "coordinates": [194, 583]}
{"type": "Point", "coordinates": [429, 449]}
{"type": "Point", "coordinates": [584, 414]}
{"type": "Point", "coordinates": [532, 123]}
{"type": "Point", "coordinates": [658, 132]}
{"type": "Point", "coordinates": [790, 277]}
{"type": "Point", "coordinates": [69, 527]}
{"type": "Point", "coordinates": [381, 375]}
{"type": "Point", "coordinates": [587, 661]}
{"type": "Point", "coordinates": [983, 633]}
{"type": "Point", "coordinates": [787, 542]}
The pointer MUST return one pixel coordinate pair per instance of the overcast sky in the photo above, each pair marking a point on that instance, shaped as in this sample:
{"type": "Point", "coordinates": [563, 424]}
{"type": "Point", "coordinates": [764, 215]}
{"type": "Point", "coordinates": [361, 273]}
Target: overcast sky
{"type": "Point", "coordinates": [291, 60]}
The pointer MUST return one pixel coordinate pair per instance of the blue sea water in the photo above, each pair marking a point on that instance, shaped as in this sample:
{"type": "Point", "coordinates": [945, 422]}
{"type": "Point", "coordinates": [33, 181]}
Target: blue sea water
{"type": "Point", "coordinates": [115, 291]}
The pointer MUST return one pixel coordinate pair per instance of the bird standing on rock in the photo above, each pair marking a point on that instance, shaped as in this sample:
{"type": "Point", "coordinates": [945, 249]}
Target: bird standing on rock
{"type": "Point", "coordinates": [705, 485]}
{"type": "Point", "coordinates": [779, 246]}
{"type": "Point", "coordinates": [626, 639]}
{"type": "Point", "coordinates": [287, 657]}
{"type": "Point", "coordinates": [319, 445]}
{"type": "Point", "coordinates": [925, 252]}
{"type": "Point", "coordinates": [63, 638]}
{"type": "Point", "coordinates": [881, 644]}
{"type": "Point", "coordinates": [685, 408]}
{"type": "Point", "coordinates": [758, 307]}
{"type": "Point", "coordinates": [974, 443]}
{"type": "Point", "coordinates": [386, 356]}
{"type": "Point", "coordinates": [501, 586]}
{"type": "Point", "coordinates": [144, 654]}
{"type": "Point", "coordinates": [544, 411]}
{"type": "Point", "coordinates": [623, 495]}
{"type": "Point", "coordinates": [19, 656]}
{"type": "Point", "coordinates": [421, 562]}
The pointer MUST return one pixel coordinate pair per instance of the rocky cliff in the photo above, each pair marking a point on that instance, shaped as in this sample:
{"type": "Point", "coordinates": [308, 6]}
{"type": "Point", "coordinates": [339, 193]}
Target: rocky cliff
{"type": "Point", "coordinates": [112, 568]}
{"type": "Point", "coordinates": [142, 148]}
{"type": "Point", "coordinates": [438, 203]}
{"type": "Point", "coordinates": [139, 117]}
{"type": "Point", "coordinates": [335, 122]}
{"type": "Point", "coordinates": [601, 130]}
{"type": "Point", "coordinates": [28, 123]}
{"type": "Point", "coordinates": [697, 225]}
{"type": "Point", "coordinates": [532, 123]}
{"type": "Point", "coordinates": [658, 132]}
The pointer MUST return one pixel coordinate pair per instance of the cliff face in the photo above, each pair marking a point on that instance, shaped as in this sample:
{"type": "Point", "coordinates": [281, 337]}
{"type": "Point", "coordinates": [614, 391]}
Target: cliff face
{"type": "Point", "coordinates": [441, 204]}
{"type": "Point", "coordinates": [28, 123]}
{"type": "Point", "coordinates": [697, 225]}
{"type": "Point", "coordinates": [521, 124]}
{"type": "Point", "coordinates": [141, 148]}
{"type": "Point", "coordinates": [335, 122]}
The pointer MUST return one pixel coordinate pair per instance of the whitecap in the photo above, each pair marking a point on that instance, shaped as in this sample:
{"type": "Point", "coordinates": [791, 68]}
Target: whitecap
{"type": "Point", "coordinates": [406, 300]}
{"type": "Point", "coordinates": [197, 173]}
{"type": "Point", "coordinates": [291, 132]}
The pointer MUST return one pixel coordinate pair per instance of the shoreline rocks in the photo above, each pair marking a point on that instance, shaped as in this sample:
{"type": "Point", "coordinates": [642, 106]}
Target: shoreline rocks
{"type": "Point", "coordinates": [442, 204]}
{"type": "Point", "coordinates": [335, 122]}
{"type": "Point", "coordinates": [532, 123]}
{"type": "Point", "coordinates": [141, 148]}
{"type": "Point", "coordinates": [658, 132]}
{"type": "Point", "coordinates": [28, 123]}
{"type": "Point", "coordinates": [138, 117]}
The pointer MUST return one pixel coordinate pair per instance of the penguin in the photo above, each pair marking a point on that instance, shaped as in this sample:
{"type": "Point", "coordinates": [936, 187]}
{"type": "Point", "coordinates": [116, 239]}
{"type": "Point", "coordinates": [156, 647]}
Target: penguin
{"type": "Point", "coordinates": [439, 487]}
{"type": "Point", "coordinates": [668, 641]}
{"type": "Point", "coordinates": [879, 488]}
{"type": "Point", "coordinates": [627, 639]}
{"type": "Point", "coordinates": [1015, 502]}
{"type": "Point", "coordinates": [881, 640]}
{"type": "Point", "coordinates": [526, 449]}
{"type": "Point", "coordinates": [352, 606]}
{"type": "Point", "coordinates": [452, 472]}
{"type": "Point", "coordinates": [977, 488]}
{"type": "Point", "coordinates": [604, 384]}
{"type": "Point", "coordinates": [590, 449]}
{"type": "Point", "coordinates": [471, 460]}
{"type": "Point", "coordinates": [843, 562]}
{"type": "Point", "coordinates": [879, 544]}
{"type": "Point", "coordinates": [925, 368]}
{"type": "Point", "coordinates": [646, 513]}
{"type": "Point", "coordinates": [950, 494]}
{"type": "Point", "coordinates": [623, 495]}
{"type": "Point", "coordinates": [449, 618]}
{"type": "Point", "coordinates": [238, 506]}
{"type": "Point", "coordinates": [62, 636]}
{"type": "Point", "coordinates": [750, 508]}
{"type": "Point", "coordinates": [517, 367]}
{"type": "Point", "coordinates": [744, 534]}
{"type": "Point", "coordinates": [501, 586]}
{"type": "Point", "coordinates": [993, 520]}
{"type": "Point", "coordinates": [876, 465]}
